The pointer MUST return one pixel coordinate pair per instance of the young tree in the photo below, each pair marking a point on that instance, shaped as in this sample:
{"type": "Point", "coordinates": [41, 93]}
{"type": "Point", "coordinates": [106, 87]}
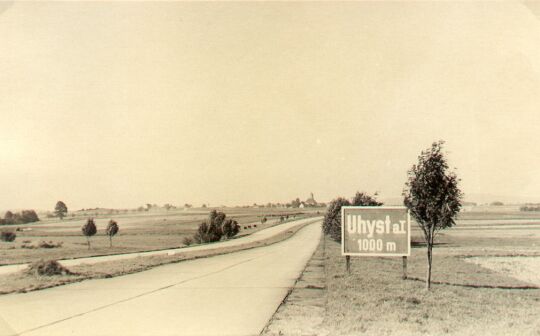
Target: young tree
{"type": "Point", "coordinates": [89, 229]}
{"type": "Point", "coordinates": [60, 209]}
{"type": "Point", "coordinates": [432, 195]}
{"type": "Point", "coordinates": [112, 229]}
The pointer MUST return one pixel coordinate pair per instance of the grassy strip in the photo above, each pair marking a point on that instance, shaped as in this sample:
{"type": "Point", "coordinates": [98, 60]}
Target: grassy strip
{"type": "Point", "coordinates": [466, 299]}
{"type": "Point", "coordinates": [375, 300]}
{"type": "Point", "coordinates": [22, 282]}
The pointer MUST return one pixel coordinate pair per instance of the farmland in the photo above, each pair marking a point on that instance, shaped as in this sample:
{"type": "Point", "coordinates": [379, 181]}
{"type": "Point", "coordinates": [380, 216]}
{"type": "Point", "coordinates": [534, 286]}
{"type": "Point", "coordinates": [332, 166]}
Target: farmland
{"type": "Point", "coordinates": [140, 231]}
{"type": "Point", "coordinates": [486, 281]}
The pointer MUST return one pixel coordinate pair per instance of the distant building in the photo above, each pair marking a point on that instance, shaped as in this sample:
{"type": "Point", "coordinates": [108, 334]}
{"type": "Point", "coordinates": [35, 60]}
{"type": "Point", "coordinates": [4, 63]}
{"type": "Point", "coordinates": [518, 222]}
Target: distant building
{"type": "Point", "coordinates": [311, 202]}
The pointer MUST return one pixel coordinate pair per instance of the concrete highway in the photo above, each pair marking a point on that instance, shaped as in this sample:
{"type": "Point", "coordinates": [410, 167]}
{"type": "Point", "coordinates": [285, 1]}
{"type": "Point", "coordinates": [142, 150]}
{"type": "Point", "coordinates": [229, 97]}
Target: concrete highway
{"type": "Point", "coordinates": [232, 294]}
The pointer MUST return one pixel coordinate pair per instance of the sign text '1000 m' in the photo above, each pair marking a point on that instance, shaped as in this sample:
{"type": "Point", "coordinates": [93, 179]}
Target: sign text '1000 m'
{"type": "Point", "coordinates": [375, 231]}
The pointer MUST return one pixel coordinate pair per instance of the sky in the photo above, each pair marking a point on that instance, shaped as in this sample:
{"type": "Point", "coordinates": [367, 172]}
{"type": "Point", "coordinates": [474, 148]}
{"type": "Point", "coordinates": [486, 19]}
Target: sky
{"type": "Point", "coordinates": [119, 104]}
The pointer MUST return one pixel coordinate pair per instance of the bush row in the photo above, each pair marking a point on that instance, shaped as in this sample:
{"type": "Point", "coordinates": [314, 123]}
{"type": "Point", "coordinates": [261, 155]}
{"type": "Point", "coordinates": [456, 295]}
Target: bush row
{"type": "Point", "coordinates": [23, 217]}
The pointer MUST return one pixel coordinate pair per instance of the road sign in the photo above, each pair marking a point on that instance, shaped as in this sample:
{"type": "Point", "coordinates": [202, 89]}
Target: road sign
{"type": "Point", "coordinates": [375, 231]}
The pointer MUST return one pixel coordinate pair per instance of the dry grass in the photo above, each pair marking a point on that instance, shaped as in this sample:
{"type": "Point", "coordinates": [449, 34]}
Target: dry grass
{"type": "Point", "coordinates": [466, 298]}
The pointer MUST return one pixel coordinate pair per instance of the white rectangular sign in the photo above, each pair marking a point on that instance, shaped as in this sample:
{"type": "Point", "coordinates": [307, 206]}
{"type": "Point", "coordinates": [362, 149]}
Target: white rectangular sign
{"type": "Point", "coordinates": [375, 231]}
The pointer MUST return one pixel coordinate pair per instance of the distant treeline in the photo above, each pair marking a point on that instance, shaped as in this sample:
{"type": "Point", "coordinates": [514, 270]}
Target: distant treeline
{"type": "Point", "coordinates": [530, 207]}
{"type": "Point", "coordinates": [25, 216]}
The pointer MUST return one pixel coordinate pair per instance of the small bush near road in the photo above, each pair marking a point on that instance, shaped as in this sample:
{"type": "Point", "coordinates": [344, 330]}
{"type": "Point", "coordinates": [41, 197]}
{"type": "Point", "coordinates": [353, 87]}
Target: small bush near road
{"type": "Point", "coordinates": [187, 241]}
{"type": "Point", "coordinates": [47, 268]}
{"type": "Point", "coordinates": [230, 228]}
{"type": "Point", "coordinates": [7, 236]}
{"type": "Point", "coordinates": [215, 227]}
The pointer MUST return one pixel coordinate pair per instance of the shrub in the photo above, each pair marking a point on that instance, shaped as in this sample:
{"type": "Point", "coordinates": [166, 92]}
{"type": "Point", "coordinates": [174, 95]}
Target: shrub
{"type": "Point", "coordinates": [50, 244]}
{"type": "Point", "coordinates": [332, 218]}
{"type": "Point", "coordinates": [112, 229]}
{"type": "Point", "coordinates": [187, 241]}
{"type": "Point", "coordinates": [215, 228]}
{"type": "Point", "coordinates": [263, 220]}
{"type": "Point", "coordinates": [7, 236]}
{"type": "Point", "coordinates": [230, 228]}
{"type": "Point", "coordinates": [89, 229]}
{"type": "Point", "coordinates": [47, 268]}
{"type": "Point", "coordinates": [29, 216]}
{"type": "Point", "coordinates": [23, 217]}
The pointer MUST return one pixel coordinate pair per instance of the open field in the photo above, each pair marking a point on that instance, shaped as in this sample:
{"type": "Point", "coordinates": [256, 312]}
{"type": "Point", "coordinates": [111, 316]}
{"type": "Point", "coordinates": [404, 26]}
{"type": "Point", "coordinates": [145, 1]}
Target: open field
{"type": "Point", "coordinates": [138, 232]}
{"type": "Point", "coordinates": [486, 282]}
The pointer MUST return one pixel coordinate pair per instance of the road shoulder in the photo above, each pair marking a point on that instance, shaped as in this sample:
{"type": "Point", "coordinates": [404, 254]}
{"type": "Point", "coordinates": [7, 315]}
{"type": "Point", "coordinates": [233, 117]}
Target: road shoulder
{"type": "Point", "coordinates": [303, 310]}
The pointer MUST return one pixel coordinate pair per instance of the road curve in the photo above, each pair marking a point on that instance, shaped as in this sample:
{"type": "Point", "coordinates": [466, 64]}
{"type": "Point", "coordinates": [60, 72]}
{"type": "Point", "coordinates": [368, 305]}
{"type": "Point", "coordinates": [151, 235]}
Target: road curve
{"type": "Point", "coordinates": [253, 237]}
{"type": "Point", "coordinates": [232, 294]}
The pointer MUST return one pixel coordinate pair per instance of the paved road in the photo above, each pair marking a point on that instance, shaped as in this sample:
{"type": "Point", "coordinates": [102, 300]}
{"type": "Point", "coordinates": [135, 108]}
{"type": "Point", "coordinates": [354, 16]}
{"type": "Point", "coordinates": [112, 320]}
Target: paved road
{"type": "Point", "coordinates": [232, 294]}
{"type": "Point", "coordinates": [256, 236]}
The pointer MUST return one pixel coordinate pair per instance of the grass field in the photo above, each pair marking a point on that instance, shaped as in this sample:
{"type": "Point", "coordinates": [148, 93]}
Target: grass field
{"type": "Point", "coordinates": [486, 275]}
{"type": "Point", "coordinates": [140, 231]}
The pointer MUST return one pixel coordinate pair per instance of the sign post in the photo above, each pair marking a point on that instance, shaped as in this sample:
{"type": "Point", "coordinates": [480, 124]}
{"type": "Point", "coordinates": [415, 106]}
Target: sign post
{"type": "Point", "coordinates": [375, 231]}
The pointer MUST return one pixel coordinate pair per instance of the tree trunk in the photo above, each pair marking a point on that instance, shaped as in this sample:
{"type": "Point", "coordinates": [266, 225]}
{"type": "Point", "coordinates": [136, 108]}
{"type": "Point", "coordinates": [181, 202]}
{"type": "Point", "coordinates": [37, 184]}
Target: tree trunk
{"type": "Point", "coordinates": [110, 241]}
{"type": "Point", "coordinates": [430, 255]}
{"type": "Point", "coordinates": [429, 260]}
{"type": "Point", "coordinates": [88, 240]}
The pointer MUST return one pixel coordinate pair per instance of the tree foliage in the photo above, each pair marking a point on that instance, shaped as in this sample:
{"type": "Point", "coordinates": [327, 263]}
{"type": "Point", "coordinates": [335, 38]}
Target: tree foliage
{"type": "Point", "coordinates": [89, 229]}
{"type": "Point", "coordinates": [230, 228]}
{"type": "Point", "coordinates": [215, 227]}
{"type": "Point", "coordinates": [332, 218]}
{"type": "Point", "coordinates": [432, 195]}
{"type": "Point", "coordinates": [23, 217]}
{"type": "Point", "coordinates": [60, 209]}
{"type": "Point", "coordinates": [111, 230]}
{"type": "Point", "coordinates": [363, 199]}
